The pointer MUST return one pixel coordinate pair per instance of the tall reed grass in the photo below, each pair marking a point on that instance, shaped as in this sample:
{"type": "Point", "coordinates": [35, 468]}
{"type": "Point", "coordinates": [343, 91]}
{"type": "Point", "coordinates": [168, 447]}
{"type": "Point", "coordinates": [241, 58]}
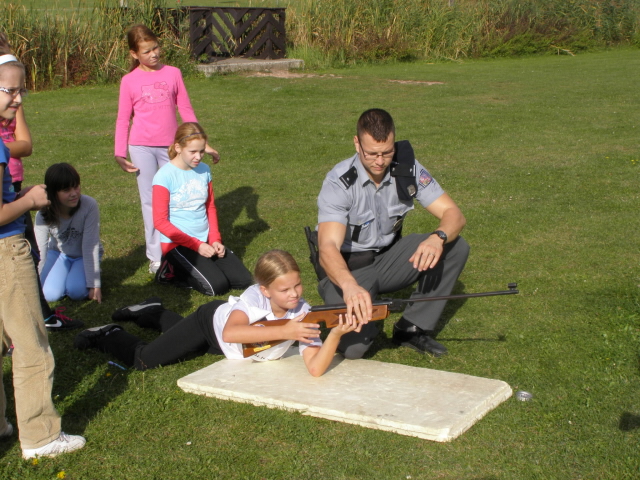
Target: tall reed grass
{"type": "Point", "coordinates": [74, 46]}
{"type": "Point", "coordinates": [347, 31]}
{"type": "Point", "coordinates": [61, 47]}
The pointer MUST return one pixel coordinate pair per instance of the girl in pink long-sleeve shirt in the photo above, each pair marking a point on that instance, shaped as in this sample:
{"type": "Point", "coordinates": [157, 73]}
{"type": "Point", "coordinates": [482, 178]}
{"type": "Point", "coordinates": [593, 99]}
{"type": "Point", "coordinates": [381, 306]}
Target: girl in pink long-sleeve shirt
{"type": "Point", "coordinates": [149, 94]}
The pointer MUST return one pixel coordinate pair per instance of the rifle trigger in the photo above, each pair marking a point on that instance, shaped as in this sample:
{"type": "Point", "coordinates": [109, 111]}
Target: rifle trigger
{"type": "Point", "coordinates": [395, 304]}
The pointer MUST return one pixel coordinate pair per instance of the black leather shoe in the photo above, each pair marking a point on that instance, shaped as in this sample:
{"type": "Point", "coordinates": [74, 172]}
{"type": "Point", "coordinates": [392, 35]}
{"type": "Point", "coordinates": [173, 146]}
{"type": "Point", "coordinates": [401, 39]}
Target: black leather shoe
{"type": "Point", "coordinates": [417, 339]}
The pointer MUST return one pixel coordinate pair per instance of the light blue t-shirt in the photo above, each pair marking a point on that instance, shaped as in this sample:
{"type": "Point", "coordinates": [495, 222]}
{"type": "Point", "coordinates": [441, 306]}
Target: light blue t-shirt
{"type": "Point", "coordinates": [188, 192]}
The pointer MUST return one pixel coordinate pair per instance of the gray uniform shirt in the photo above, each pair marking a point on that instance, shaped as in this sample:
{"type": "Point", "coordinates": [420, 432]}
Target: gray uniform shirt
{"type": "Point", "coordinates": [369, 211]}
{"type": "Point", "coordinates": [78, 236]}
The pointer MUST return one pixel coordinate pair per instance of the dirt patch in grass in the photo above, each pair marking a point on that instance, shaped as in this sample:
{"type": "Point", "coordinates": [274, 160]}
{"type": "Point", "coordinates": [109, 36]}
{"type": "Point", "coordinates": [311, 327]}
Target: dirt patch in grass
{"type": "Point", "coordinates": [416, 82]}
{"type": "Point", "coordinates": [290, 74]}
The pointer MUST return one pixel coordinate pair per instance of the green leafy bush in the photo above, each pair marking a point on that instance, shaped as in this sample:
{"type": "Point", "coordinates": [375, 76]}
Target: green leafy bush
{"type": "Point", "coordinates": [72, 47]}
{"type": "Point", "coordinates": [84, 45]}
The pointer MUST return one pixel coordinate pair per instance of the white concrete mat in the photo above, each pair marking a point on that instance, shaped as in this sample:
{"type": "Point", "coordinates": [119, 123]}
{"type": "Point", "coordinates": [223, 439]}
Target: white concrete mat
{"type": "Point", "coordinates": [413, 401]}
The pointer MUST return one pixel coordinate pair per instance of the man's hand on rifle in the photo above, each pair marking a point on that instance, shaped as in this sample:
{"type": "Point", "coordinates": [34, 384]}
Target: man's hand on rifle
{"type": "Point", "coordinates": [358, 302]}
{"type": "Point", "coordinates": [302, 332]}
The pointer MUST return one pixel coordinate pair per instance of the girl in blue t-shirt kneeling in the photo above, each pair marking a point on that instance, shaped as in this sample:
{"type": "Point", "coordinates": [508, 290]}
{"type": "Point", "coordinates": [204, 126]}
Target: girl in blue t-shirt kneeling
{"type": "Point", "coordinates": [185, 214]}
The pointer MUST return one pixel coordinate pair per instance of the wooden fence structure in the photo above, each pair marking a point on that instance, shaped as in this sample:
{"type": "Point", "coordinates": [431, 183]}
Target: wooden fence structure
{"type": "Point", "coordinates": [223, 32]}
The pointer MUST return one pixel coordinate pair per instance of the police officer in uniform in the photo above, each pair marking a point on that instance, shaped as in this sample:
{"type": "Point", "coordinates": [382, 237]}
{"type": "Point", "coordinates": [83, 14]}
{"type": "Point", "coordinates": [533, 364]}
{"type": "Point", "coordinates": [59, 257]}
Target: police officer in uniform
{"type": "Point", "coordinates": [361, 207]}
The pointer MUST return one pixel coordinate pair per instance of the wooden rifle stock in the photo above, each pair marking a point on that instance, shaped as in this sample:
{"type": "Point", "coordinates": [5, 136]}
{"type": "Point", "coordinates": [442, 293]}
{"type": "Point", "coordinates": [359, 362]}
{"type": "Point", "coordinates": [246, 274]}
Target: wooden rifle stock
{"type": "Point", "coordinates": [320, 315]}
{"type": "Point", "coordinates": [328, 314]}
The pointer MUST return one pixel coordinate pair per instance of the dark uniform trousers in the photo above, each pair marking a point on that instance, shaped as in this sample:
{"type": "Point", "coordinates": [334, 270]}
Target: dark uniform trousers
{"type": "Point", "coordinates": [392, 271]}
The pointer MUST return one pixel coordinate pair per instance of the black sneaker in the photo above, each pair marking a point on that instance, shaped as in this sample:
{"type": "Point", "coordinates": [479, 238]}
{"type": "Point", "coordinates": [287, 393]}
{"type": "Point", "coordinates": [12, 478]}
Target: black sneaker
{"type": "Point", "coordinates": [58, 321]}
{"type": "Point", "coordinates": [165, 274]}
{"type": "Point", "coordinates": [418, 340]}
{"type": "Point", "coordinates": [133, 312]}
{"type": "Point", "coordinates": [87, 338]}
{"type": "Point", "coordinates": [8, 431]}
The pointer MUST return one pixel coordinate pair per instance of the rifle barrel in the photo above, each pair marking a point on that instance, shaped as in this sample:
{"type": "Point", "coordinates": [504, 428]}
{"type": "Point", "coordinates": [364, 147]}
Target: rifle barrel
{"type": "Point", "coordinates": [252, 348]}
{"type": "Point", "coordinates": [462, 295]}
{"type": "Point", "coordinates": [390, 301]}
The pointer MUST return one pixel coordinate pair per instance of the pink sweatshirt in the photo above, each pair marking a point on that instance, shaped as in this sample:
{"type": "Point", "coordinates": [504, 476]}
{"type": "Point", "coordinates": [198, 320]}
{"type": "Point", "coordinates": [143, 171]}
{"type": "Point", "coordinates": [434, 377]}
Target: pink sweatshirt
{"type": "Point", "coordinates": [151, 99]}
{"type": "Point", "coordinates": [8, 135]}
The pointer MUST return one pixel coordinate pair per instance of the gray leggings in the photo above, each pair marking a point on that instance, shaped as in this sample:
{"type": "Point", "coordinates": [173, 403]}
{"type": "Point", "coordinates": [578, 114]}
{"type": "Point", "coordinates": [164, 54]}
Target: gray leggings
{"type": "Point", "coordinates": [148, 160]}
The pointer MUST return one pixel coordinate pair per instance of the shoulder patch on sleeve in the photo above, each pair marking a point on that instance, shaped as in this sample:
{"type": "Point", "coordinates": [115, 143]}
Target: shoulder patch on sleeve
{"type": "Point", "coordinates": [425, 178]}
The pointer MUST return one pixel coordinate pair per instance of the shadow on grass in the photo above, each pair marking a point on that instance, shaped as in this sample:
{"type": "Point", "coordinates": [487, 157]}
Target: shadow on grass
{"type": "Point", "coordinates": [383, 341]}
{"type": "Point", "coordinates": [82, 388]}
{"type": "Point", "coordinates": [83, 383]}
{"type": "Point", "coordinates": [629, 421]}
{"type": "Point", "coordinates": [123, 286]}
{"type": "Point", "coordinates": [451, 308]}
{"type": "Point", "coordinates": [116, 271]}
{"type": "Point", "coordinates": [230, 207]}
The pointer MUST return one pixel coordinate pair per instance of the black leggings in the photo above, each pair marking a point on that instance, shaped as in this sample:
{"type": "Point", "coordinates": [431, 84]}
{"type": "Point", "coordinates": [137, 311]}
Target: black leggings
{"type": "Point", "coordinates": [210, 276]}
{"type": "Point", "coordinates": [181, 339]}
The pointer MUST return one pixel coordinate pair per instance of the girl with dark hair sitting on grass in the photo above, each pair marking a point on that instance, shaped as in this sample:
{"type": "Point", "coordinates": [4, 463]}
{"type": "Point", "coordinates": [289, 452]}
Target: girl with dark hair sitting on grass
{"type": "Point", "coordinates": [68, 235]}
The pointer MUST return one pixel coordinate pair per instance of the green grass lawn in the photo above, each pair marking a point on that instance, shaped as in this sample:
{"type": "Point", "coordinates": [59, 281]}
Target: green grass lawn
{"type": "Point", "coordinates": [542, 155]}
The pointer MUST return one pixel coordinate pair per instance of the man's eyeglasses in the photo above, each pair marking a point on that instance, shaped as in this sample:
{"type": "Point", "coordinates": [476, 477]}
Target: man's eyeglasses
{"type": "Point", "coordinates": [373, 156]}
{"type": "Point", "coordinates": [14, 92]}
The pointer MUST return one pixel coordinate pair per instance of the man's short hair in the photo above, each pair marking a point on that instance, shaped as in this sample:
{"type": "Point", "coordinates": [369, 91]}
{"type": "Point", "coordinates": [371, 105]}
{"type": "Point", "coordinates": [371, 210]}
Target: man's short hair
{"type": "Point", "coordinates": [377, 123]}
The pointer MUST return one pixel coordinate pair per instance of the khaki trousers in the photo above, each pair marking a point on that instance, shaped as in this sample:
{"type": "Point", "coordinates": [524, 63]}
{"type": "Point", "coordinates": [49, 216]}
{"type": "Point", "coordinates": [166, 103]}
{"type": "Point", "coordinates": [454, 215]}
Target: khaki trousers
{"type": "Point", "coordinates": [21, 320]}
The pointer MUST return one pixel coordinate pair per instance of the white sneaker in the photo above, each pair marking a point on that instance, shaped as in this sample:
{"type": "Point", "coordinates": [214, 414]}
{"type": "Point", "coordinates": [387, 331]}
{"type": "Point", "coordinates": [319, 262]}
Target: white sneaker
{"type": "Point", "coordinates": [63, 444]}
{"type": "Point", "coordinates": [153, 267]}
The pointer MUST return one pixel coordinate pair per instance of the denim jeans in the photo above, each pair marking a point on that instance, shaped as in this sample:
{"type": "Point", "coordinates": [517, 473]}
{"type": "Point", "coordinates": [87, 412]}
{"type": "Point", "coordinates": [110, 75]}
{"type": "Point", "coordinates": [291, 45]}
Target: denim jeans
{"type": "Point", "coordinates": [62, 275]}
{"type": "Point", "coordinates": [21, 320]}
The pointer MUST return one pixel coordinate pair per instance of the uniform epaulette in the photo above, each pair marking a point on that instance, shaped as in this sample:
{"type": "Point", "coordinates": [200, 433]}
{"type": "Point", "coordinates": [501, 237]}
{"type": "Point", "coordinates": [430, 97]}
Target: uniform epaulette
{"type": "Point", "coordinates": [349, 178]}
{"type": "Point", "coordinates": [403, 169]}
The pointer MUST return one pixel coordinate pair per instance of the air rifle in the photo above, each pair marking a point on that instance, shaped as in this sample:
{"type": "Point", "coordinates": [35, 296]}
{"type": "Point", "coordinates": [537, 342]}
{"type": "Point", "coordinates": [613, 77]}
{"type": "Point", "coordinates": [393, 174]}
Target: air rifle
{"type": "Point", "coordinates": [329, 314]}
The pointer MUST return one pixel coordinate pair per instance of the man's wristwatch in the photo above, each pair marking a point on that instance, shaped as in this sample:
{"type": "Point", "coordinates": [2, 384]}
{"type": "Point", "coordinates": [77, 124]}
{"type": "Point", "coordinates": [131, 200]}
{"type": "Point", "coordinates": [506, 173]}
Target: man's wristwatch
{"type": "Point", "coordinates": [441, 235]}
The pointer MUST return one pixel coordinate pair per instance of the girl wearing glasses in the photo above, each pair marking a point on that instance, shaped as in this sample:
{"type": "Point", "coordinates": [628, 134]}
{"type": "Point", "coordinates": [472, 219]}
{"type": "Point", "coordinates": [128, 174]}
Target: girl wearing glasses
{"type": "Point", "coordinates": [20, 314]}
{"type": "Point", "coordinates": [149, 96]}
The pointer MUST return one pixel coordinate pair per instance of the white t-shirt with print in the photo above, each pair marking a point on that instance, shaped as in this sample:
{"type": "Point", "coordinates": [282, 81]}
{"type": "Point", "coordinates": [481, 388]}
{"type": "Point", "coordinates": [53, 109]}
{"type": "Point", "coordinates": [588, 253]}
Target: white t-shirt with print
{"type": "Point", "coordinates": [257, 307]}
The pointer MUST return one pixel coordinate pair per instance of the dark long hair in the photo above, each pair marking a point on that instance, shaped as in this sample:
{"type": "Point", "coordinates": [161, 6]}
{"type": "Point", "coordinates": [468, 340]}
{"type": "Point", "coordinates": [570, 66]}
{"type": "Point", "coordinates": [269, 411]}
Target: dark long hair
{"type": "Point", "coordinates": [59, 176]}
{"type": "Point", "coordinates": [5, 46]}
{"type": "Point", "coordinates": [135, 36]}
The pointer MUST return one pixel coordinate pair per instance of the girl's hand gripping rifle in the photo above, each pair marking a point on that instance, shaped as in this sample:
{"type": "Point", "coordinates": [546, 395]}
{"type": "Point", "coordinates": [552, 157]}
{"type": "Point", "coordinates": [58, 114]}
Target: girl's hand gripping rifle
{"type": "Point", "coordinates": [329, 314]}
